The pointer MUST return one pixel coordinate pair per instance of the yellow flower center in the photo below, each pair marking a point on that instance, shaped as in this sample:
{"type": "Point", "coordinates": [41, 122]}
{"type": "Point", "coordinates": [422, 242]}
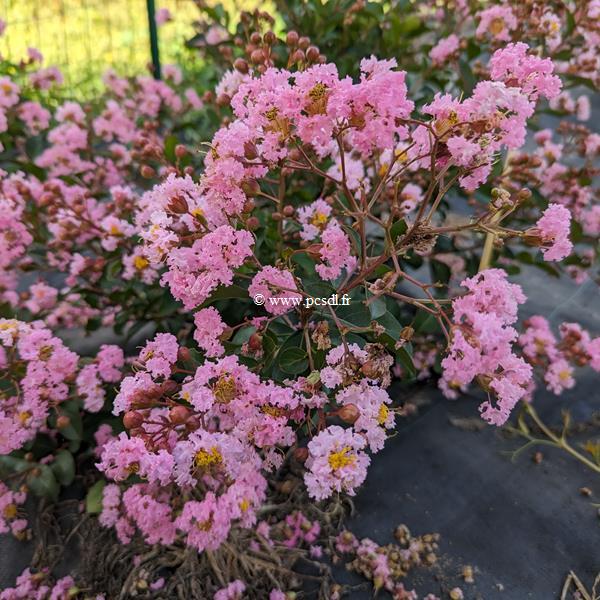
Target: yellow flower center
{"type": "Point", "coordinates": [114, 230]}
{"type": "Point", "coordinates": [342, 458]}
{"type": "Point", "coordinates": [140, 263]}
{"type": "Point", "coordinates": [45, 352]}
{"type": "Point", "coordinates": [10, 511]}
{"type": "Point", "coordinates": [272, 113]}
{"type": "Point", "coordinates": [564, 375]}
{"type": "Point", "coordinates": [205, 525]}
{"type": "Point", "coordinates": [496, 26]}
{"type": "Point", "coordinates": [244, 505]}
{"type": "Point", "coordinates": [225, 389]}
{"type": "Point", "coordinates": [274, 411]}
{"type": "Point", "coordinates": [24, 417]}
{"type": "Point", "coordinates": [205, 459]}
{"type": "Point", "coordinates": [318, 219]}
{"type": "Point", "coordinates": [442, 126]}
{"type": "Point", "coordinates": [382, 416]}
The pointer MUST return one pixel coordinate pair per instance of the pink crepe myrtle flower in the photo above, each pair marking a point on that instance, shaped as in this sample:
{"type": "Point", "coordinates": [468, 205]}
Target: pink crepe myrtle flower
{"type": "Point", "coordinates": [444, 49]}
{"type": "Point", "coordinates": [559, 376]}
{"type": "Point", "coordinates": [276, 288]}
{"type": "Point", "coordinates": [89, 387]}
{"type": "Point", "coordinates": [314, 219]}
{"type": "Point", "coordinates": [160, 354]}
{"type": "Point", "coordinates": [11, 521]}
{"type": "Point", "coordinates": [335, 253]}
{"type": "Point", "coordinates": [481, 344]}
{"type": "Point", "coordinates": [498, 21]}
{"type": "Point", "coordinates": [336, 462]}
{"type": "Point", "coordinates": [35, 117]}
{"type": "Point", "coordinates": [196, 271]}
{"type": "Point", "coordinates": [110, 360]}
{"type": "Point", "coordinates": [553, 229]}
{"type": "Point", "coordinates": [209, 328]}
{"type": "Point", "coordinates": [42, 297]}
{"type": "Point", "coordinates": [514, 65]}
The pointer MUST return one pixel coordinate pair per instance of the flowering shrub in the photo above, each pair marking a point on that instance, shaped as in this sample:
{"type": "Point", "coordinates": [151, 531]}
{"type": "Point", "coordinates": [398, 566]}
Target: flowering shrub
{"type": "Point", "coordinates": [343, 227]}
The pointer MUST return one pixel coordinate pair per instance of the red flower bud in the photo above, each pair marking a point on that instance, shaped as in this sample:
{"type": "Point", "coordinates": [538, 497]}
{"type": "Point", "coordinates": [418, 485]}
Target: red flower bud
{"type": "Point", "coordinates": [179, 415]}
{"type": "Point", "coordinates": [133, 419]}
{"type": "Point", "coordinates": [349, 413]}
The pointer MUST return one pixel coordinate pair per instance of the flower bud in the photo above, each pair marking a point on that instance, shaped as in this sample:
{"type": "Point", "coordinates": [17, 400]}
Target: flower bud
{"type": "Point", "coordinates": [184, 354]}
{"type": "Point", "coordinates": [304, 42]}
{"type": "Point", "coordinates": [178, 205]}
{"type": "Point", "coordinates": [255, 342]}
{"type": "Point", "coordinates": [63, 421]}
{"type": "Point", "coordinates": [291, 39]}
{"type": "Point", "coordinates": [180, 151]}
{"type": "Point", "coordinates": [133, 419]}
{"type": "Point", "coordinates": [241, 65]}
{"type": "Point", "coordinates": [257, 57]}
{"type": "Point", "coordinates": [349, 413]}
{"type": "Point", "coordinates": [312, 54]}
{"type": "Point", "coordinates": [223, 100]}
{"type": "Point", "coordinates": [168, 387]}
{"type": "Point", "coordinates": [270, 38]}
{"type": "Point", "coordinates": [255, 38]}
{"type": "Point", "coordinates": [147, 172]}
{"type": "Point", "coordinates": [250, 151]}
{"type": "Point", "coordinates": [252, 223]}
{"type": "Point", "coordinates": [178, 415]}
{"type": "Point", "coordinates": [407, 333]}
{"type": "Point", "coordinates": [250, 187]}
{"type": "Point", "coordinates": [298, 56]}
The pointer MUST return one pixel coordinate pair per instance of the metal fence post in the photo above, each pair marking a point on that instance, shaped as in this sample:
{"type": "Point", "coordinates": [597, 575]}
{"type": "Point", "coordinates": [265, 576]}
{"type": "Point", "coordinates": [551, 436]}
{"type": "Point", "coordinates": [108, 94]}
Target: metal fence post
{"type": "Point", "coordinates": [153, 39]}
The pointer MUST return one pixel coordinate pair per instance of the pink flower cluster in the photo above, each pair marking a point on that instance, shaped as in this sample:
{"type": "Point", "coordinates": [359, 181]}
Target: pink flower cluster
{"type": "Point", "coordinates": [35, 586]}
{"type": "Point", "coordinates": [217, 430]}
{"type": "Point", "coordinates": [495, 116]}
{"type": "Point", "coordinates": [42, 369]}
{"type": "Point", "coordinates": [557, 358]}
{"type": "Point", "coordinates": [553, 229]}
{"type": "Point", "coordinates": [91, 378]}
{"type": "Point", "coordinates": [10, 519]}
{"type": "Point", "coordinates": [481, 345]}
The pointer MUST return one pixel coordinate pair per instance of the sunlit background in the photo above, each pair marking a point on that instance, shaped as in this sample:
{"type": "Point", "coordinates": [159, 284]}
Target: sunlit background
{"type": "Point", "coordinates": [86, 37]}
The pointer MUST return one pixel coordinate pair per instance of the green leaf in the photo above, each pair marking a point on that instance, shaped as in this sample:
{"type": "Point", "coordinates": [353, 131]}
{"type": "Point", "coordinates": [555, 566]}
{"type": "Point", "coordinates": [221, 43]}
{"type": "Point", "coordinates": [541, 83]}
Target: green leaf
{"type": "Point", "coordinates": [355, 314]}
{"type": "Point", "coordinates": [441, 271]}
{"type": "Point", "coordinates": [93, 499]}
{"type": "Point", "coordinates": [63, 467]}
{"type": "Point", "coordinates": [170, 143]}
{"type": "Point", "coordinates": [378, 308]}
{"type": "Point", "coordinates": [43, 484]}
{"type": "Point", "coordinates": [226, 293]}
{"type": "Point", "coordinates": [293, 360]}
{"type": "Point", "coordinates": [12, 464]}
{"type": "Point", "coordinates": [398, 229]}
{"type": "Point", "coordinates": [405, 358]}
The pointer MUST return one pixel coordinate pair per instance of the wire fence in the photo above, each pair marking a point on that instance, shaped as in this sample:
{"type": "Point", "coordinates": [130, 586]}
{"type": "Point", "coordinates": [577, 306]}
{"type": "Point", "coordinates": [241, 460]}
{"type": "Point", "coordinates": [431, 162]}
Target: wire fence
{"type": "Point", "coordinates": [86, 37]}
